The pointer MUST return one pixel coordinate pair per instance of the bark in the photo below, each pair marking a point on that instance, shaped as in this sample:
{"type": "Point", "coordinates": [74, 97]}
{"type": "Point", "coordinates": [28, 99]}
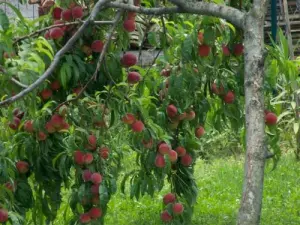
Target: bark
{"type": "Point", "coordinates": [250, 209]}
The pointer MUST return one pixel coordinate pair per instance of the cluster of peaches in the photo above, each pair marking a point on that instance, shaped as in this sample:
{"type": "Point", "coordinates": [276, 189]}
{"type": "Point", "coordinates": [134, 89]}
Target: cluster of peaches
{"type": "Point", "coordinates": [90, 177]}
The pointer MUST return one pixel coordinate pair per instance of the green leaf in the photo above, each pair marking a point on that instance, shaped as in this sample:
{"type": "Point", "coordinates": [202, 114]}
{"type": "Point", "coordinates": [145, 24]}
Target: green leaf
{"type": "Point", "coordinates": [296, 128]}
{"type": "Point", "coordinates": [4, 21]}
{"type": "Point", "coordinates": [187, 48]}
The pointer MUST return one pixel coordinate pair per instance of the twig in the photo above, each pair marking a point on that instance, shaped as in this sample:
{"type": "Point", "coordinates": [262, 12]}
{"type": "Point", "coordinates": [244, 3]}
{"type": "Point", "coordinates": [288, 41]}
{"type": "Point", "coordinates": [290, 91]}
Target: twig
{"type": "Point", "coordinates": [16, 40]}
{"type": "Point", "coordinates": [15, 81]}
{"type": "Point", "coordinates": [101, 57]}
{"type": "Point", "coordinates": [58, 56]}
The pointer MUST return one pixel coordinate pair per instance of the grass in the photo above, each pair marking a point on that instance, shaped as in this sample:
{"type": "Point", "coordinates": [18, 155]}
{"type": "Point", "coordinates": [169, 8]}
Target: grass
{"type": "Point", "coordinates": [220, 185]}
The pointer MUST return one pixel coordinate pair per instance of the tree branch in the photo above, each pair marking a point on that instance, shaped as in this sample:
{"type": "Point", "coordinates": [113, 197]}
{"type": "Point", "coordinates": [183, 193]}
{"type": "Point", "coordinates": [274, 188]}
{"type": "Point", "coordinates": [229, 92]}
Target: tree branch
{"type": "Point", "coordinates": [15, 81]}
{"type": "Point", "coordinates": [58, 55]}
{"type": "Point", "coordinates": [100, 60]}
{"type": "Point", "coordinates": [58, 25]}
{"type": "Point", "coordinates": [231, 14]}
{"type": "Point", "coordinates": [228, 13]}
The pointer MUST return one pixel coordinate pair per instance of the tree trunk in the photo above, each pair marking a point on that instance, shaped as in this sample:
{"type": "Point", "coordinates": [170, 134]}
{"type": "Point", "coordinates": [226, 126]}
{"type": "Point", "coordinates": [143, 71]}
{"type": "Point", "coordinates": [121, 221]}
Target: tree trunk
{"type": "Point", "coordinates": [251, 202]}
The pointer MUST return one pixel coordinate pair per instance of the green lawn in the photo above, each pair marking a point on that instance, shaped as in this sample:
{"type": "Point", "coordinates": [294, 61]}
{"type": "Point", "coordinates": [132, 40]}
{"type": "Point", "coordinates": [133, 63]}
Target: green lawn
{"type": "Point", "coordinates": [220, 185]}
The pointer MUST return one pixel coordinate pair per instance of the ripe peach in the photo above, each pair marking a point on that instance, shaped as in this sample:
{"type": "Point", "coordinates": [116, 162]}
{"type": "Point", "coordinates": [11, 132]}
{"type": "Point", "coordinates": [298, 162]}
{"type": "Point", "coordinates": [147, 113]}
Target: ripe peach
{"type": "Point", "coordinates": [128, 59]}
{"type": "Point", "coordinates": [15, 123]}
{"type": "Point", "coordinates": [57, 121]}
{"type": "Point", "coordinates": [86, 175]}
{"type": "Point", "coordinates": [238, 49]}
{"type": "Point", "coordinates": [66, 15]}
{"type": "Point", "coordinates": [3, 215]}
{"type": "Point", "coordinates": [56, 13]}
{"type": "Point", "coordinates": [165, 216]}
{"type": "Point", "coordinates": [79, 157]}
{"type": "Point", "coordinates": [229, 97]}
{"type": "Point", "coordinates": [225, 50]}
{"type": "Point", "coordinates": [270, 119]}
{"type": "Point", "coordinates": [180, 151]}
{"type": "Point", "coordinates": [95, 213]}
{"type": "Point", "coordinates": [85, 218]}
{"type": "Point", "coordinates": [163, 148]}
{"type": "Point", "coordinates": [104, 154]}
{"type": "Point", "coordinates": [190, 115]}
{"type": "Point", "coordinates": [96, 178]}
{"type": "Point", "coordinates": [92, 139]}
{"type": "Point", "coordinates": [186, 160]}
{"type": "Point", "coordinates": [56, 33]}
{"type": "Point", "coordinates": [50, 128]}
{"type": "Point", "coordinates": [173, 156]}
{"type": "Point", "coordinates": [199, 131]}
{"type": "Point", "coordinates": [11, 186]}
{"type": "Point", "coordinates": [97, 46]}
{"type": "Point", "coordinates": [137, 126]}
{"type": "Point", "coordinates": [129, 25]}
{"type": "Point", "coordinates": [55, 85]}
{"type": "Point", "coordinates": [46, 94]}
{"type": "Point", "coordinates": [203, 50]}
{"type": "Point", "coordinates": [177, 208]}
{"type": "Point", "coordinates": [160, 161]}
{"type": "Point", "coordinates": [22, 167]}
{"type": "Point", "coordinates": [88, 158]}
{"type": "Point", "coordinates": [171, 110]}
{"type": "Point", "coordinates": [128, 118]}
{"type": "Point", "coordinates": [41, 136]}
{"type": "Point", "coordinates": [169, 198]}
{"type": "Point", "coordinates": [133, 77]}
{"type": "Point", "coordinates": [28, 126]}
{"type": "Point", "coordinates": [77, 12]}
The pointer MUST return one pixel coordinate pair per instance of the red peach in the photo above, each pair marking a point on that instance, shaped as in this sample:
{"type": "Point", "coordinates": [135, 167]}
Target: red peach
{"type": "Point", "coordinates": [137, 126]}
{"type": "Point", "coordinates": [22, 167]}
{"type": "Point", "coordinates": [169, 198]}
{"type": "Point", "coordinates": [95, 213]}
{"type": "Point", "coordinates": [128, 118]}
{"type": "Point", "coordinates": [177, 208]}
{"type": "Point", "coordinates": [180, 151]}
{"type": "Point", "coordinates": [97, 46]}
{"type": "Point", "coordinates": [96, 178]}
{"type": "Point", "coordinates": [160, 161]}
{"type": "Point", "coordinates": [186, 160]}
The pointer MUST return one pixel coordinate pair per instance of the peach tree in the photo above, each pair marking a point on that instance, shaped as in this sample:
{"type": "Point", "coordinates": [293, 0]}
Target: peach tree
{"type": "Point", "coordinates": [84, 100]}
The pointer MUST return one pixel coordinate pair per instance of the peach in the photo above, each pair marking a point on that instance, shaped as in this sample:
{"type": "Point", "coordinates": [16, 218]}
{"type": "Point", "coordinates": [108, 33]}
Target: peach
{"type": "Point", "coordinates": [46, 94]}
{"type": "Point", "coordinates": [56, 13]}
{"type": "Point", "coordinates": [77, 12]}
{"type": "Point", "coordinates": [88, 158]}
{"type": "Point", "coordinates": [79, 157]}
{"type": "Point", "coordinates": [169, 198]}
{"type": "Point", "coordinates": [186, 160]}
{"type": "Point", "coordinates": [22, 167]}
{"type": "Point", "coordinates": [133, 77]}
{"type": "Point", "coordinates": [225, 50]}
{"type": "Point", "coordinates": [203, 50]}
{"type": "Point", "coordinates": [163, 148]}
{"type": "Point", "coordinates": [270, 119]}
{"type": "Point", "coordinates": [128, 118]}
{"type": "Point", "coordinates": [171, 110]}
{"type": "Point", "coordinates": [41, 136]}
{"type": "Point", "coordinates": [95, 213]}
{"type": "Point", "coordinates": [28, 126]}
{"type": "Point", "coordinates": [66, 15]}
{"type": "Point", "coordinates": [3, 215]}
{"type": "Point", "coordinates": [128, 59]}
{"type": "Point", "coordinates": [96, 178]}
{"type": "Point", "coordinates": [86, 175]}
{"type": "Point", "coordinates": [177, 208]}
{"type": "Point", "coordinates": [165, 216]}
{"type": "Point", "coordinates": [229, 97]}
{"type": "Point", "coordinates": [199, 131]}
{"type": "Point", "coordinates": [160, 161]}
{"type": "Point", "coordinates": [181, 151]}
{"type": "Point", "coordinates": [55, 85]}
{"type": "Point", "coordinates": [97, 46]}
{"type": "Point", "coordinates": [173, 156]}
{"type": "Point", "coordinates": [137, 126]}
{"type": "Point", "coordinates": [56, 33]}
{"type": "Point", "coordinates": [85, 218]}
{"type": "Point", "coordinates": [129, 25]}
{"type": "Point", "coordinates": [238, 49]}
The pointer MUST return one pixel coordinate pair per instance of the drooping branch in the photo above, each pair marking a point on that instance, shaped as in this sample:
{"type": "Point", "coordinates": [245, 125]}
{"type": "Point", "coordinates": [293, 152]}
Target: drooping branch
{"type": "Point", "coordinates": [100, 60]}
{"type": "Point", "coordinates": [231, 14]}
{"type": "Point", "coordinates": [37, 32]}
{"type": "Point", "coordinates": [58, 55]}
{"type": "Point", "coordinates": [15, 81]}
